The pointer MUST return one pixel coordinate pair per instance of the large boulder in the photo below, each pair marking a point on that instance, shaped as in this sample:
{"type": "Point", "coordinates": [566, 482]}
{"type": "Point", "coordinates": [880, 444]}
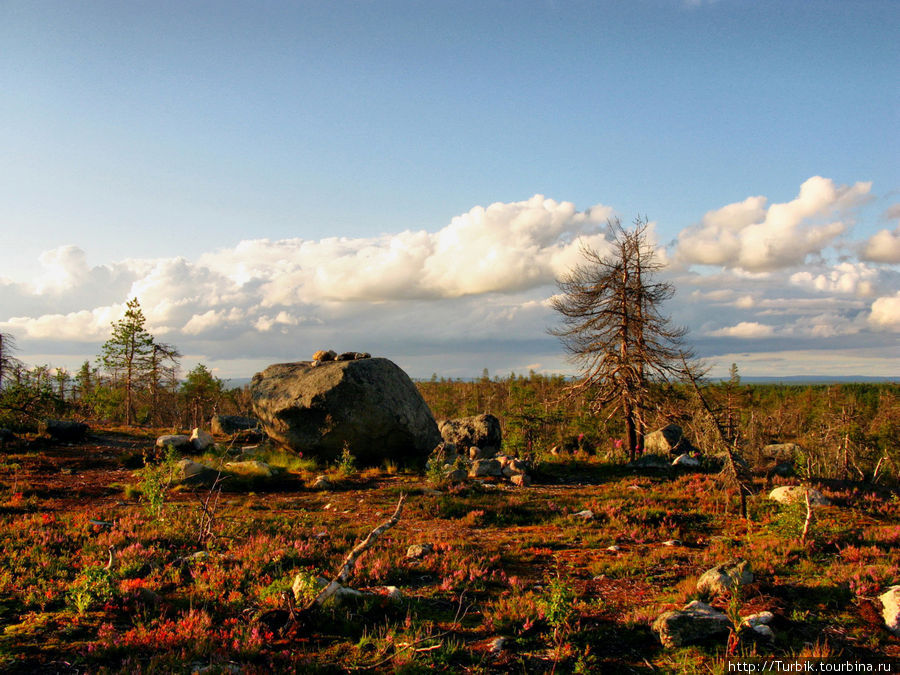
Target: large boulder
{"type": "Point", "coordinates": [667, 440]}
{"type": "Point", "coordinates": [480, 431]}
{"type": "Point", "coordinates": [66, 431]}
{"type": "Point", "coordinates": [370, 405]}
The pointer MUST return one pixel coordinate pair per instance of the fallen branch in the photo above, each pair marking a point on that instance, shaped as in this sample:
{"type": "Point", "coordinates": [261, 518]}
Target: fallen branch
{"type": "Point", "coordinates": [347, 568]}
{"type": "Point", "coordinates": [809, 516]}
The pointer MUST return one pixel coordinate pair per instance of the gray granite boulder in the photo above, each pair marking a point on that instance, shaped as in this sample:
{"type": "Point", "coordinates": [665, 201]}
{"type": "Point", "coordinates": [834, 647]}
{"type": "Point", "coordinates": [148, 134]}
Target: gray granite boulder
{"type": "Point", "coordinates": [697, 622]}
{"type": "Point", "coordinates": [369, 405]}
{"type": "Point", "coordinates": [479, 431]}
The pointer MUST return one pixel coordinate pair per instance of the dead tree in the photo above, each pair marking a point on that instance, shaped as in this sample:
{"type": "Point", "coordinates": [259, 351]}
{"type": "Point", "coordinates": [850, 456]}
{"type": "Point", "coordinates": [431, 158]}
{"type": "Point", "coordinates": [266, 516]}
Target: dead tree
{"type": "Point", "coordinates": [732, 475]}
{"type": "Point", "coordinates": [613, 328]}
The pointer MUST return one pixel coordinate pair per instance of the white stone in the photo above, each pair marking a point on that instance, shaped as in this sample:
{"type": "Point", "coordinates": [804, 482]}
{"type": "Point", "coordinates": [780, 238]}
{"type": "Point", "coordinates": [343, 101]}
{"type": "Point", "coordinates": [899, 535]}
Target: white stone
{"type": "Point", "coordinates": [686, 461]}
{"type": "Point", "coordinates": [788, 494]}
{"type": "Point", "coordinates": [175, 440]}
{"type": "Point", "coordinates": [764, 631]}
{"type": "Point", "coordinates": [587, 514]}
{"type": "Point", "coordinates": [758, 619]}
{"type": "Point", "coordinates": [890, 601]}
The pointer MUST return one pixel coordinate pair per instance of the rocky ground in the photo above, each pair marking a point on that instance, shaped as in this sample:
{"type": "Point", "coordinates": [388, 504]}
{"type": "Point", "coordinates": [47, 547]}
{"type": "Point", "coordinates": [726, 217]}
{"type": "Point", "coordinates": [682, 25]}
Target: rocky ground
{"type": "Point", "coordinates": [581, 571]}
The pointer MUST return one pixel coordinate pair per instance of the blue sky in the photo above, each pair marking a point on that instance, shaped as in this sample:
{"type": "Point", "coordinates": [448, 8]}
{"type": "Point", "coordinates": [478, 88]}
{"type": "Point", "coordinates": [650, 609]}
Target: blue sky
{"type": "Point", "coordinates": [233, 163]}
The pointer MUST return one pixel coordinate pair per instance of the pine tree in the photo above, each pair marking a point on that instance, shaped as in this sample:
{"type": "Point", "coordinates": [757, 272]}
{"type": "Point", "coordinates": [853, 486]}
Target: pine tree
{"type": "Point", "coordinates": [126, 355]}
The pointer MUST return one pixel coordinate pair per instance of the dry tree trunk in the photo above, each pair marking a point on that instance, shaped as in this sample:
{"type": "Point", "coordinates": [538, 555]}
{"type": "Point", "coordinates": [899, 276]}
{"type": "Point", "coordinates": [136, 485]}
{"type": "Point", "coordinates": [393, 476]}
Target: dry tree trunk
{"type": "Point", "coordinates": [350, 562]}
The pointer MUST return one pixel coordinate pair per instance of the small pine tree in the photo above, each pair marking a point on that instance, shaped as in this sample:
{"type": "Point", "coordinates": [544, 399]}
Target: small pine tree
{"type": "Point", "coordinates": [126, 355]}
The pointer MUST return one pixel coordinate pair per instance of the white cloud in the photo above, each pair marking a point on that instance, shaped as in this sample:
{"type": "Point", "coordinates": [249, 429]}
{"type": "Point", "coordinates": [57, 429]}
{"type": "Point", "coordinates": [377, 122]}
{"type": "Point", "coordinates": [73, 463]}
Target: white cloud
{"type": "Point", "coordinates": [845, 278]}
{"type": "Point", "coordinates": [746, 235]}
{"type": "Point", "coordinates": [886, 313]}
{"type": "Point", "coordinates": [883, 246]}
{"type": "Point", "coordinates": [745, 329]}
{"type": "Point", "coordinates": [474, 292]}
{"type": "Point", "coordinates": [84, 326]}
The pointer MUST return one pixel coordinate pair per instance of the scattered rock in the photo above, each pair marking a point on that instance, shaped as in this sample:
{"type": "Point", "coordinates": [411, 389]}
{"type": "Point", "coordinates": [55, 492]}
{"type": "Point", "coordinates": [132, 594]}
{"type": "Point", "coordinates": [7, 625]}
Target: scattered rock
{"type": "Point", "coordinates": [697, 622]}
{"type": "Point", "coordinates": [201, 440]}
{"type": "Point", "coordinates": [672, 542]}
{"type": "Point", "coordinates": [890, 601]}
{"type": "Point", "coordinates": [444, 453]}
{"type": "Point", "coordinates": [763, 631]}
{"type": "Point", "coordinates": [394, 594]}
{"type": "Point", "coordinates": [587, 514]}
{"type": "Point", "coordinates": [370, 405]}
{"type": "Point", "coordinates": [520, 480]}
{"type": "Point", "coordinates": [724, 578]}
{"type": "Point", "coordinates": [788, 494]}
{"type": "Point", "coordinates": [324, 355]}
{"type": "Point", "coordinates": [321, 483]}
{"type": "Point", "coordinates": [481, 431]}
{"type": "Point", "coordinates": [513, 467]}
{"type": "Point", "coordinates": [667, 440]}
{"type": "Point", "coordinates": [782, 452]}
{"type": "Point", "coordinates": [758, 619]}
{"type": "Point", "coordinates": [457, 475]}
{"type": "Point", "coordinates": [177, 441]}
{"type": "Point", "coordinates": [66, 431]}
{"type": "Point", "coordinates": [686, 461]}
{"type": "Point", "coordinates": [482, 468]}
{"type": "Point", "coordinates": [613, 549]}
{"type": "Point", "coordinates": [497, 645]}
{"type": "Point", "coordinates": [227, 425]}
{"type": "Point", "coordinates": [187, 469]}
{"type": "Point", "coordinates": [417, 551]}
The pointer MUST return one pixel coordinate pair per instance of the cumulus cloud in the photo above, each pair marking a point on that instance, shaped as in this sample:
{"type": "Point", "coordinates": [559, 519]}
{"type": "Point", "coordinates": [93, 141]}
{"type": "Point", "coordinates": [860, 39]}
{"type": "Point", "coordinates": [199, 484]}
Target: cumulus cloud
{"type": "Point", "coordinates": [883, 246]}
{"type": "Point", "coordinates": [83, 326]}
{"type": "Point", "coordinates": [473, 293]}
{"type": "Point", "coordinates": [885, 313]}
{"type": "Point", "coordinates": [503, 248]}
{"type": "Point", "coordinates": [745, 329]}
{"type": "Point", "coordinates": [845, 278]}
{"type": "Point", "coordinates": [749, 236]}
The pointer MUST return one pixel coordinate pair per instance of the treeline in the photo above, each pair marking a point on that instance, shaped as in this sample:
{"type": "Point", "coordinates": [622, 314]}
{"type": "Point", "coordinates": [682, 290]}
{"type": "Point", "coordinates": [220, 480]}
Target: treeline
{"type": "Point", "coordinates": [135, 380]}
{"type": "Point", "coordinates": [844, 430]}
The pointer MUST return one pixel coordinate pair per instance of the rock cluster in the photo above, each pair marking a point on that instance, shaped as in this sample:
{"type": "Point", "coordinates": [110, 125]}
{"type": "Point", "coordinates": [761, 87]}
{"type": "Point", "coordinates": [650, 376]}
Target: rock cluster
{"type": "Point", "coordinates": [198, 441]}
{"type": "Point", "coordinates": [480, 434]}
{"type": "Point", "coordinates": [698, 621]}
{"type": "Point", "coordinates": [326, 355]}
{"type": "Point", "coordinates": [458, 466]}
